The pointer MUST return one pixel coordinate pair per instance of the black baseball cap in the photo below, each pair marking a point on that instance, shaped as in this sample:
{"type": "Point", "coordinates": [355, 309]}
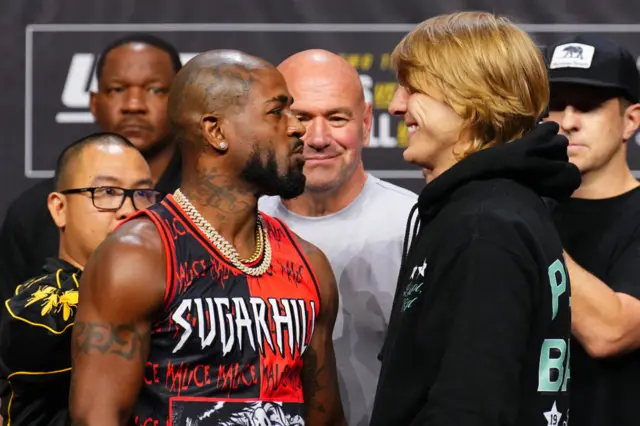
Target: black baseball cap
{"type": "Point", "coordinates": [594, 61]}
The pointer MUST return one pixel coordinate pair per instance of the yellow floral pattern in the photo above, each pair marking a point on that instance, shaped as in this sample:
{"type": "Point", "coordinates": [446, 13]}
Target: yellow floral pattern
{"type": "Point", "coordinates": [54, 302]}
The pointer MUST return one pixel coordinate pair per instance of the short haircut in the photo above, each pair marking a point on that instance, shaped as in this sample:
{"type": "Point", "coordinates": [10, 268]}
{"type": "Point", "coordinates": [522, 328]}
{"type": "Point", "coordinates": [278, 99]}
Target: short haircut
{"type": "Point", "coordinates": [71, 152]}
{"type": "Point", "coordinates": [147, 39]}
{"type": "Point", "coordinates": [486, 68]}
{"type": "Point", "coordinates": [625, 103]}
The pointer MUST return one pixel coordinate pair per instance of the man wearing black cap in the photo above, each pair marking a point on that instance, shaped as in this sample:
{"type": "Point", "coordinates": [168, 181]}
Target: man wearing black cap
{"type": "Point", "coordinates": [595, 89]}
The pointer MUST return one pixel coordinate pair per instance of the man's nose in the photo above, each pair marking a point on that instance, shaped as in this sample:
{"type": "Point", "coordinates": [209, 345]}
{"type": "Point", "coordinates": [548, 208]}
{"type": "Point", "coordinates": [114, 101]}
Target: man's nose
{"type": "Point", "coordinates": [134, 101]}
{"type": "Point", "coordinates": [398, 105]}
{"type": "Point", "coordinates": [318, 134]}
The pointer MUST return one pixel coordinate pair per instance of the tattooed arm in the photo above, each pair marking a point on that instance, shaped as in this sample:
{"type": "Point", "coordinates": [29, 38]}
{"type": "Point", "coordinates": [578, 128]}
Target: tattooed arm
{"type": "Point", "coordinates": [319, 372]}
{"type": "Point", "coordinates": [121, 288]}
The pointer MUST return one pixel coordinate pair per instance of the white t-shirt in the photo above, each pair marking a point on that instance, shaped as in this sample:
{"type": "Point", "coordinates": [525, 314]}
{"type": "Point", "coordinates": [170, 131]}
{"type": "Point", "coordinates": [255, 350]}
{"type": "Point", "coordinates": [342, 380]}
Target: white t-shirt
{"type": "Point", "coordinates": [363, 243]}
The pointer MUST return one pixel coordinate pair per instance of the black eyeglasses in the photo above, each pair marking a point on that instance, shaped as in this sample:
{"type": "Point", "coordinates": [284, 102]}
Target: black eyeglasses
{"type": "Point", "coordinates": [112, 198]}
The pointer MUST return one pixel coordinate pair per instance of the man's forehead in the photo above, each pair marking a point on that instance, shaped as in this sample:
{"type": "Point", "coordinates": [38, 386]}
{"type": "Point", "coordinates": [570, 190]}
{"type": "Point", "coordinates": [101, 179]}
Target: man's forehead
{"type": "Point", "coordinates": [316, 87]}
{"type": "Point", "coordinates": [107, 155]}
{"type": "Point", "coordinates": [325, 101]}
{"type": "Point", "coordinates": [109, 167]}
{"type": "Point", "coordinates": [138, 54]}
{"type": "Point", "coordinates": [269, 84]}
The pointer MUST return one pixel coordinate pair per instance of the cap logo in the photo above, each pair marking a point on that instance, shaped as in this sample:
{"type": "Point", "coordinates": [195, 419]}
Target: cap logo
{"type": "Point", "coordinates": [572, 55]}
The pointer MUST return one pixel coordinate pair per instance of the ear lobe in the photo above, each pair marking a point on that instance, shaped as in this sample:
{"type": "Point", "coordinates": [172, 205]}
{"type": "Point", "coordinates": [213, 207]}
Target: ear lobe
{"type": "Point", "coordinates": [212, 132]}
{"type": "Point", "coordinates": [57, 204]}
{"type": "Point", "coordinates": [631, 121]}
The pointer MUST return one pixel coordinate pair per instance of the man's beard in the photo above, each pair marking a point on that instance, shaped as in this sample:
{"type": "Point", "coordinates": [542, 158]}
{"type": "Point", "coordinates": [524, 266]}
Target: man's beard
{"type": "Point", "coordinates": [264, 176]}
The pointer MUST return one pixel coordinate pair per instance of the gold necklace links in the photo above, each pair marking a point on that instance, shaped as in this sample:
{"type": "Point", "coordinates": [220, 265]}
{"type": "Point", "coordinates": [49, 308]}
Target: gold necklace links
{"type": "Point", "coordinates": [262, 240]}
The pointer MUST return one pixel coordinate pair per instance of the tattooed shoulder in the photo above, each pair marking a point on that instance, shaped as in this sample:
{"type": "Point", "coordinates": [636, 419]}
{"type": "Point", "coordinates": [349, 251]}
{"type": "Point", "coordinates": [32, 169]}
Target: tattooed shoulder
{"type": "Point", "coordinates": [127, 341]}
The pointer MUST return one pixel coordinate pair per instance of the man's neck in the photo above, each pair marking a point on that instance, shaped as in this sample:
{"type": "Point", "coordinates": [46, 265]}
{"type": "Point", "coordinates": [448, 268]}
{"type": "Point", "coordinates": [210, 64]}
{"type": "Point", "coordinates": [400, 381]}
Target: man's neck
{"type": "Point", "coordinates": [311, 204]}
{"type": "Point", "coordinates": [229, 208]}
{"type": "Point", "coordinates": [446, 161]}
{"type": "Point", "coordinates": [159, 162]}
{"type": "Point", "coordinates": [610, 181]}
{"type": "Point", "coordinates": [65, 255]}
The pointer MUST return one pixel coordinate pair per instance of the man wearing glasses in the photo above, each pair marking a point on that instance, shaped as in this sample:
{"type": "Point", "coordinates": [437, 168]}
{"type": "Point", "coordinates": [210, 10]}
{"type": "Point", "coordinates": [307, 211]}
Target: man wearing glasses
{"type": "Point", "coordinates": [100, 181]}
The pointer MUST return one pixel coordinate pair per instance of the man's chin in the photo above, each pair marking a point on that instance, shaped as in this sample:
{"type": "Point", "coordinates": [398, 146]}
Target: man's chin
{"type": "Point", "coordinates": [292, 192]}
{"type": "Point", "coordinates": [142, 144]}
{"type": "Point", "coordinates": [286, 189]}
{"type": "Point", "coordinates": [148, 148]}
{"type": "Point", "coordinates": [292, 187]}
{"type": "Point", "coordinates": [322, 183]}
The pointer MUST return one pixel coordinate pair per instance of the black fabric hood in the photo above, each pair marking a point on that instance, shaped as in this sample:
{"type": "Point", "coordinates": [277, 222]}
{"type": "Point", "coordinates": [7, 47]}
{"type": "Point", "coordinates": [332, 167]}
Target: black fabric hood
{"type": "Point", "coordinates": [538, 161]}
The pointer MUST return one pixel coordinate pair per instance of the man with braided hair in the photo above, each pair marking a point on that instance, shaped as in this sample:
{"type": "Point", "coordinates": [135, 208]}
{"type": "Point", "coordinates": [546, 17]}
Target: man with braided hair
{"type": "Point", "coordinates": [200, 299]}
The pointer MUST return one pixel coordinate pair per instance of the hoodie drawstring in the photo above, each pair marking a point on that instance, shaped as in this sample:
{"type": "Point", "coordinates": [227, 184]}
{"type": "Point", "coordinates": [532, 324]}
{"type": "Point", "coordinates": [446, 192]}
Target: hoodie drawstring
{"type": "Point", "coordinates": [409, 237]}
{"type": "Point", "coordinates": [409, 240]}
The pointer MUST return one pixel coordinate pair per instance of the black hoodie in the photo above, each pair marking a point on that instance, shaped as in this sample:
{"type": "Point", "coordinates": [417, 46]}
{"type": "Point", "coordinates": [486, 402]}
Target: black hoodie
{"type": "Point", "coordinates": [481, 321]}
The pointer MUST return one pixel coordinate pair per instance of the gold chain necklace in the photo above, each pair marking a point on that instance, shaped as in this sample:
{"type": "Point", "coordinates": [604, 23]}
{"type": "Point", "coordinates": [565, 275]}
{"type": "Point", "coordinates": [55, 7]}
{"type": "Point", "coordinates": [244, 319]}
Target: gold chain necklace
{"type": "Point", "coordinates": [223, 245]}
{"type": "Point", "coordinates": [259, 247]}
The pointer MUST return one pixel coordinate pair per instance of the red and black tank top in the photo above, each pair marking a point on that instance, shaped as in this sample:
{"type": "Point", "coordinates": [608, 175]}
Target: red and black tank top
{"type": "Point", "coordinates": [227, 347]}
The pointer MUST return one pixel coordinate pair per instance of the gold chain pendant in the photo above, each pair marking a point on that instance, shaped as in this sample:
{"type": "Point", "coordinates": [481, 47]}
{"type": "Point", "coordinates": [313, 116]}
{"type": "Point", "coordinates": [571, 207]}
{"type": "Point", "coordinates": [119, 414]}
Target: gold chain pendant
{"type": "Point", "coordinates": [262, 241]}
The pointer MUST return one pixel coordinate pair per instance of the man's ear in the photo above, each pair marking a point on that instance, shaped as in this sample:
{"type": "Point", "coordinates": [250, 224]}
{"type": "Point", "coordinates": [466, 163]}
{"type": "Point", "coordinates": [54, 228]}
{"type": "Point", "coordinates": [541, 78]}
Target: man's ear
{"type": "Point", "coordinates": [213, 133]}
{"type": "Point", "coordinates": [631, 121]}
{"type": "Point", "coordinates": [93, 103]}
{"type": "Point", "coordinates": [57, 204]}
{"type": "Point", "coordinates": [366, 125]}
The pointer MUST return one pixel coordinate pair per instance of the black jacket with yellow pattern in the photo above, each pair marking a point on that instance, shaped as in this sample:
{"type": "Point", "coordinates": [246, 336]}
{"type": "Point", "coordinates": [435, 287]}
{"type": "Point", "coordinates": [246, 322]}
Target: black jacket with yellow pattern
{"type": "Point", "coordinates": [35, 347]}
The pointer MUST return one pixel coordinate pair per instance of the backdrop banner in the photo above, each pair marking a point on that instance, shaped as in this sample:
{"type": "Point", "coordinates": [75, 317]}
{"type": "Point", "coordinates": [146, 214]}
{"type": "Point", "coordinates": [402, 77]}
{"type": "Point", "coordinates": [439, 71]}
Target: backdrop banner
{"type": "Point", "coordinates": [52, 48]}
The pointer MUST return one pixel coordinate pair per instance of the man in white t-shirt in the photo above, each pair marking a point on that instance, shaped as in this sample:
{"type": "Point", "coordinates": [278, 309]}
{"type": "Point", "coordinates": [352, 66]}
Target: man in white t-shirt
{"type": "Point", "coordinates": [356, 219]}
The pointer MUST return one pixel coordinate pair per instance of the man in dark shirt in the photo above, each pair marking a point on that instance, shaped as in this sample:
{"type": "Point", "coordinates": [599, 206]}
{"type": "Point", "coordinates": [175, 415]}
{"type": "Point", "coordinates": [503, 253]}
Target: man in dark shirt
{"type": "Point", "coordinates": [481, 320]}
{"type": "Point", "coordinates": [134, 75]}
{"type": "Point", "coordinates": [100, 181]}
{"type": "Point", "coordinates": [595, 90]}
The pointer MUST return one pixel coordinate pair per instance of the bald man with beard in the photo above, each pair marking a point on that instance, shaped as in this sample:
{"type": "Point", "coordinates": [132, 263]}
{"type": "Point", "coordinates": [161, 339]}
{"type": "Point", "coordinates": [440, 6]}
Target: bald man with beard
{"type": "Point", "coordinates": [189, 314]}
{"type": "Point", "coordinates": [356, 219]}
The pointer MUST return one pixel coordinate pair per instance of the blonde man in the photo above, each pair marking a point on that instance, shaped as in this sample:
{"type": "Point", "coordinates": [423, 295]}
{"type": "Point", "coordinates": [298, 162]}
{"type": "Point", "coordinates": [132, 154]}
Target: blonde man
{"type": "Point", "coordinates": [480, 325]}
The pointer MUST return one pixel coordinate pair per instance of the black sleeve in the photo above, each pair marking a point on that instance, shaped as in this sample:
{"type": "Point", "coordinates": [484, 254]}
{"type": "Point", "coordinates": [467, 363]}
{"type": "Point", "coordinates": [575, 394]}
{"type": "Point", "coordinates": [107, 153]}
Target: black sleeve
{"type": "Point", "coordinates": [37, 319]}
{"type": "Point", "coordinates": [479, 378]}
{"type": "Point", "coordinates": [14, 265]}
{"type": "Point", "coordinates": [624, 275]}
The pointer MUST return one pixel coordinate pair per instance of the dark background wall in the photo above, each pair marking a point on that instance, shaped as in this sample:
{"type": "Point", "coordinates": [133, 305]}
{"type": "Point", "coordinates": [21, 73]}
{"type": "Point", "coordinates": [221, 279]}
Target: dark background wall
{"type": "Point", "coordinates": [49, 50]}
